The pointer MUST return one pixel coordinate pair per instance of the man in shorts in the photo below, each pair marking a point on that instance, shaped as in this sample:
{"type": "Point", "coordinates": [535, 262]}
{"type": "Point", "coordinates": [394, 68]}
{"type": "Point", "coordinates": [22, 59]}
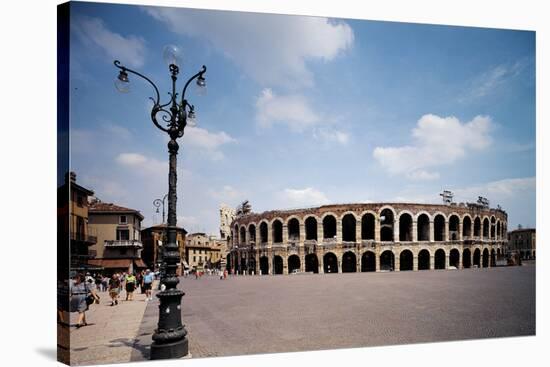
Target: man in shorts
{"type": "Point", "coordinates": [148, 285]}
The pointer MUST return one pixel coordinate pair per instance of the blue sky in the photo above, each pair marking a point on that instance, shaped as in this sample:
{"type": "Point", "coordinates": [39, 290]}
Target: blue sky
{"type": "Point", "coordinates": [303, 111]}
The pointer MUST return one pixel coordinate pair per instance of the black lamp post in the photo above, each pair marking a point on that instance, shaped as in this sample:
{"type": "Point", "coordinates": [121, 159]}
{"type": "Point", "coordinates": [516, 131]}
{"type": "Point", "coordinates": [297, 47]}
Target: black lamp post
{"type": "Point", "coordinates": [170, 337]}
{"type": "Point", "coordinates": [157, 203]}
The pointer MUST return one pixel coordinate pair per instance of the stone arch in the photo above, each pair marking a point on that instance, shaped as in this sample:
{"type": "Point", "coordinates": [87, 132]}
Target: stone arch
{"type": "Point", "coordinates": [466, 227]}
{"type": "Point", "coordinates": [477, 227]}
{"type": "Point", "coordinates": [439, 259]}
{"type": "Point", "coordinates": [263, 232]}
{"type": "Point", "coordinates": [439, 227]}
{"type": "Point", "coordinates": [330, 263]}
{"type": "Point", "coordinates": [277, 264]}
{"type": "Point", "coordinates": [485, 262]}
{"type": "Point", "coordinates": [264, 265]}
{"type": "Point", "coordinates": [406, 260]}
{"type": "Point", "coordinates": [387, 222]}
{"type": "Point", "coordinates": [349, 223]}
{"type": "Point", "coordinates": [493, 259]}
{"type": "Point", "coordinates": [349, 262]}
{"type": "Point", "coordinates": [293, 263]}
{"type": "Point", "coordinates": [311, 227]}
{"type": "Point", "coordinates": [368, 225]}
{"type": "Point", "coordinates": [454, 258]}
{"type": "Point", "coordinates": [454, 227]}
{"type": "Point", "coordinates": [424, 259]}
{"type": "Point", "coordinates": [493, 227]}
{"type": "Point", "coordinates": [236, 235]}
{"type": "Point", "coordinates": [499, 232]}
{"type": "Point", "coordinates": [485, 228]}
{"type": "Point", "coordinates": [466, 258]}
{"type": "Point", "coordinates": [312, 263]}
{"type": "Point", "coordinates": [368, 261]}
{"type": "Point", "coordinates": [405, 226]}
{"type": "Point", "coordinates": [387, 260]}
{"type": "Point", "coordinates": [252, 233]}
{"type": "Point", "coordinates": [477, 257]}
{"type": "Point", "coordinates": [423, 226]}
{"type": "Point", "coordinates": [329, 226]}
{"type": "Point", "coordinates": [242, 237]}
{"type": "Point", "coordinates": [277, 230]}
{"type": "Point", "coordinates": [293, 226]}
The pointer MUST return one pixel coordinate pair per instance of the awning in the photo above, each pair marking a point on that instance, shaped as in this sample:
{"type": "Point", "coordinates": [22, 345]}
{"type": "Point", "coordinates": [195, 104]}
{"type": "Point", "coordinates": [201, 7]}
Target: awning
{"type": "Point", "coordinates": [111, 263]}
{"type": "Point", "coordinates": [139, 263]}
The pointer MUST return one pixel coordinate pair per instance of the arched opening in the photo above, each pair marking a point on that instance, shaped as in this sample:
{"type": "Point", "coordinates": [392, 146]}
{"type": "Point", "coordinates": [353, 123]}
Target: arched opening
{"type": "Point", "coordinates": [263, 232]}
{"type": "Point", "coordinates": [485, 228]}
{"type": "Point", "coordinates": [293, 230]}
{"type": "Point", "coordinates": [485, 258]}
{"type": "Point", "coordinates": [329, 227]}
{"type": "Point", "coordinates": [348, 229]}
{"type": "Point", "coordinates": [493, 258]}
{"type": "Point", "coordinates": [264, 265]}
{"type": "Point", "coordinates": [293, 263]}
{"type": "Point", "coordinates": [228, 262]}
{"type": "Point", "coordinates": [278, 264]}
{"type": "Point", "coordinates": [312, 263]}
{"type": "Point", "coordinates": [466, 259]}
{"type": "Point", "coordinates": [439, 259]}
{"type": "Point", "coordinates": [454, 258]}
{"type": "Point", "coordinates": [367, 227]}
{"type": "Point", "coordinates": [368, 261]}
{"type": "Point", "coordinates": [498, 253]}
{"type": "Point", "coordinates": [251, 265]}
{"type": "Point", "coordinates": [405, 260]}
{"type": "Point", "coordinates": [423, 227]}
{"type": "Point", "coordinates": [349, 262]}
{"type": "Point", "coordinates": [466, 228]}
{"type": "Point", "coordinates": [405, 227]}
{"type": "Point", "coordinates": [252, 233]}
{"type": "Point", "coordinates": [493, 228]}
{"type": "Point", "coordinates": [477, 256]}
{"type": "Point", "coordinates": [243, 268]}
{"type": "Point", "coordinates": [453, 228]}
{"type": "Point", "coordinates": [477, 227]}
{"type": "Point", "coordinates": [424, 260]}
{"type": "Point", "coordinates": [387, 261]}
{"type": "Point", "coordinates": [236, 235]}
{"type": "Point", "coordinates": [311, 228]}
{"type": "Point", "coordinates": [439, 228]}
{"type": "Point", "coordinates": [277, 231]}
{"type": "Point", "coordinates": [242, 239]}
{"type": "Point", "coordinates": [386, 225]}
{"type": "Point", "coordinates": [330, 263]}
{"type": "Point", "coordinates": [499, 232]}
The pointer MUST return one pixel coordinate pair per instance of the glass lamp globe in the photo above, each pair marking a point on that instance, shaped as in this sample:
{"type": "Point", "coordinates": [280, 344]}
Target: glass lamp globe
{"type": "Point", "coordinates": [192, 120]}
{"type": "Point", "coordinates": [200, 86]}
{"type": "Point", "coordinates": [122, 83]}
{"type": "Point", "coordinates": [172, 55]}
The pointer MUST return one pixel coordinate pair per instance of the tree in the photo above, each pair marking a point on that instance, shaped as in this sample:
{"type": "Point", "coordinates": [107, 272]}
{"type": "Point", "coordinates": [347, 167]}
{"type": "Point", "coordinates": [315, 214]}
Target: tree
{"type": "Point", "coordinates": [243, 208]}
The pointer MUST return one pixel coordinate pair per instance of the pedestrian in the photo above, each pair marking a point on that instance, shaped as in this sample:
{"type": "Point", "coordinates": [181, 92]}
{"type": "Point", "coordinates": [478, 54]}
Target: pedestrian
{"type": "Point", "coordinates": [130, 287]}
{"type": "Point", "coordinates": [98, 283]}
{"type": "Point", "coordinates": [81, 297]}
{"type": "Point", "coordinates": [114, 289]}
{"type": "Point", "coordinates": [148, 285]}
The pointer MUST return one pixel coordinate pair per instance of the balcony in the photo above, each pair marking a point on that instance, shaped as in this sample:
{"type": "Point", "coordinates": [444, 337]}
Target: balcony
{"type": "Point", "coordinates": [124, 243]}
{"type": "Point", "coordinates": [83, 237]}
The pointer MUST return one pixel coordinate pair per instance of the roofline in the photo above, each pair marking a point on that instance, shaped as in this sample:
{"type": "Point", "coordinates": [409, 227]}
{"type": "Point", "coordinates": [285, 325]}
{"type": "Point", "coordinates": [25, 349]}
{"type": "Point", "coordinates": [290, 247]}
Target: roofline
{"type": "Point", "coordinates": [95, 211]}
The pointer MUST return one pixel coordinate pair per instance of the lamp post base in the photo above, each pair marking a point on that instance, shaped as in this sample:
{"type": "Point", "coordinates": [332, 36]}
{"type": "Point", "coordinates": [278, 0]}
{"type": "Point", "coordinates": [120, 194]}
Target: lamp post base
{"type": "Point", "coordinates": [177, 349]}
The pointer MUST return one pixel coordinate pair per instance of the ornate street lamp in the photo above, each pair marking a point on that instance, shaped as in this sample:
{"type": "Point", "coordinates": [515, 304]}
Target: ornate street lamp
{"type": "Point", "coordinates": [157, 203]}
{"type": "Point", "coordinates": [170, 337]}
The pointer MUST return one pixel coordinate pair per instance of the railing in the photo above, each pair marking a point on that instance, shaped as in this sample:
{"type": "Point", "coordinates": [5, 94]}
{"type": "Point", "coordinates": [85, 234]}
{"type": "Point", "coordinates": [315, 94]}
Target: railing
{"type": "Point", "coordinates": [123, 243]}
{"type": "Point", "coordinates": [83, 237]}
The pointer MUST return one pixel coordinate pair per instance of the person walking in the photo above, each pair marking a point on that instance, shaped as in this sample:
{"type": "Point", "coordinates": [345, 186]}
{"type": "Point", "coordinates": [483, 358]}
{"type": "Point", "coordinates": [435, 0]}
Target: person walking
{"type": "Point", "coordinates": [82, 295]}
{"type": "Point", "coordinates": [114, 289]}
{"type": "Point", "coordinates": [130, 286]}
{"type": "Point", "coordinates": [148, 285]}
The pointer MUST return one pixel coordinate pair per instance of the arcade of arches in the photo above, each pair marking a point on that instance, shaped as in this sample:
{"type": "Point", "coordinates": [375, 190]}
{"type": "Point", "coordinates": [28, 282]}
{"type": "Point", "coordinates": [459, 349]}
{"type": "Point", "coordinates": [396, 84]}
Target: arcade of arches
{"type": "Point", "coordinates": [367, 238]}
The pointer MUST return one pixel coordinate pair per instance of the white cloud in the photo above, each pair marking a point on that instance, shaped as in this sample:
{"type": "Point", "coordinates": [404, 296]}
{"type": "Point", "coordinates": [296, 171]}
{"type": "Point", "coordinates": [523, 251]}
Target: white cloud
{"type": "Point", "coordinates": [331, 135]}
{"type": "Point", "coordinates": [94, 33]}
{"type": "Point", "coordinates": [228, 193]}
{"type": "Point", "coordinates": [506, 188]}
{"type": "Point", "coordinates": [437, 141]}
{"type": "Point", "coordinates": [210, 142]}
{"type": "Point", "coordinates": [291, 110]}
{"type": "Point", "coordinates": [272, 49]}
{"type": "Point", "coordinates": [142, 164]}
{"type": "Point", "coordinates": [303, 197]}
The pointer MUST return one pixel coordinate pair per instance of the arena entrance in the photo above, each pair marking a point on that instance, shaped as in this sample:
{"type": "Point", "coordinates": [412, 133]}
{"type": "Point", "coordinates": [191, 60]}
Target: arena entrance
{"type": "Point", "coordinates": [424, 260]}
{"type": "Point", "coordinates": [278, 265]}
{"type": "Point", "coordinates": [330, 263]}
{"type": "Point", "coordinates": [368, 261]}
{"type": "Point", "coordinates": [466, 259]}
{"type": "Point", "coordinates": [477, 255]}
{"type": "Point", "coordinates": [405, 260]}
{"type": "Point", "coordinates": [312, 263]}
{"type": "Point", "coordinates": [485, 258]}
{"type": "Point", "coordinates": [251, 266]}
{"type": "Point", "coordinates": [439, 260]}
{"type": "Point", "coordinates": [293, 263]}
{"type": "Point", "coordinates": [454, 258]}
{"type": "Point", "coordinates": [264, 265]}
{"type": "Point", "coordinates": [349, 262]}
{"type": "Point", "coordinates": [387, 261]}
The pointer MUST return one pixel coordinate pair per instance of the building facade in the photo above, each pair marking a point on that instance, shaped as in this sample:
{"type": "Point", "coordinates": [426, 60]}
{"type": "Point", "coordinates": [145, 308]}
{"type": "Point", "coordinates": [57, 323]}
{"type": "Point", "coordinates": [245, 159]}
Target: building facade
{"type": "Point", "coordinates": [523, 241]}
{"type": "Point", "coordinates": [227, 216]}
{"type": "Point", "coordinates": [153, 239]}
{"type": "Point", "coordinates": [118, 229]}
{"type": "Point", "coordinates": [203, 251]}
{"type": "Point", "coordinates": [368, 237]}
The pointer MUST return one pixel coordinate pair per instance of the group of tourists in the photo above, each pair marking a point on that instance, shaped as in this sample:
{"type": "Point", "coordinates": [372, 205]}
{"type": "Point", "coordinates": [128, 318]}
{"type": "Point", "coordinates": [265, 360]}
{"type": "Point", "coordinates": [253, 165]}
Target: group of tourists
{"type": "Point", "coordinates": [84, 289]}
